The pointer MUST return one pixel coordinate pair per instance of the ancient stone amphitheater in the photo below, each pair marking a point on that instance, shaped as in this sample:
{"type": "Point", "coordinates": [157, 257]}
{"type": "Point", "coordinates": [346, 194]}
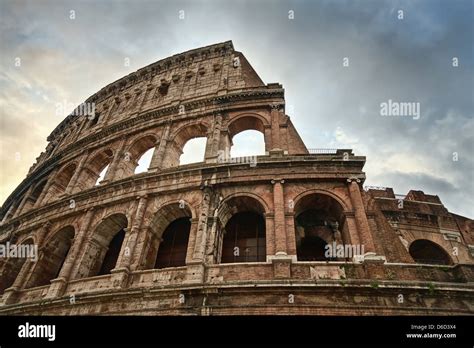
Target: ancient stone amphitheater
{"type": "Point", "coordinates": [223, 235]}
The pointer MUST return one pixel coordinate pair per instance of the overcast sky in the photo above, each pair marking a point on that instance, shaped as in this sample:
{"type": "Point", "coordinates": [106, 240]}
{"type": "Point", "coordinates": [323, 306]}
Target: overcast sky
{"type": "Point", "coordinates": [66, 60]}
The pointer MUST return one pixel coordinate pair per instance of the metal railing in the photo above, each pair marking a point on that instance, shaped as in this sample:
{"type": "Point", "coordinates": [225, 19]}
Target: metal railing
{"type": "Point", "coordinates": [322, 151]}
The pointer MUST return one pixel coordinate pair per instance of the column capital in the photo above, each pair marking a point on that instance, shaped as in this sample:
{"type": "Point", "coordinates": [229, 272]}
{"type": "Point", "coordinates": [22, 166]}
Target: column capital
{"type": "Point", "coordinates": [353, 179]}
{"type": "Point", "coordinates": [277, 181]}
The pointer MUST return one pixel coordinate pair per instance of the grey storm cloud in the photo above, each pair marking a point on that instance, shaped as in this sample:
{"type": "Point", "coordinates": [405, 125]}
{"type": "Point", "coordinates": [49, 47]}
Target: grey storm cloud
{"type": "Point", "coordinates": [405, 60]}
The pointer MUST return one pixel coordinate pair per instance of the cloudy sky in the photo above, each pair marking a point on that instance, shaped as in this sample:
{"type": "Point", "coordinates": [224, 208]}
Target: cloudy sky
{"type": "Point", "coordinates": [47, 58]}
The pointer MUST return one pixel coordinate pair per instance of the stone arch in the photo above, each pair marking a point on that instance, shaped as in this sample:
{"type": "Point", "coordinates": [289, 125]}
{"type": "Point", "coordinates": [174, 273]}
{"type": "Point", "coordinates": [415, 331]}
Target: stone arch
{"type": "Point", "coordinates": [246, 122]}
{"type": "Point", "coordinates": [61, 181]}
{"type": "Point", "coordinates": [133, 154]}
{"type": "Point", "coordinates": [104, 246]}
{"type": "Point", "coordinates": [12, 266]}
{"type": "Point", "coordinates": [319, 220]}
{"type": "Point", "coordinates": [179, 138]}
{"type": "Point", "coordinates": [91, 171]}
{"type": "Point", "coordinates": [241, 229]}
{"type": "Point", "coordinates": [331, 194]}
{"type": "Point", "coordinates": [428, 252]}
{"type": "Point", "coordinates": [169, 230]}
{"type": "Point", "coordinates": [53, 254]}
{"type": "Point", "coordinates": [35, 194]}
{"type": "Point", "coordinates": [261, 206]}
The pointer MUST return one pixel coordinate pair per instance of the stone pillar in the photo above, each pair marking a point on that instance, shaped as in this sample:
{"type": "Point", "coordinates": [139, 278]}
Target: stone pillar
{"type": "Point", "coordinates": [267, 136]}
{"type": "Point", "coordinates": [352, 228]}
{"type": "Point", "coordinates": [76, 247]}
{"type": "Point", "coordinates": [275, 124]}
{"type": "Point", "coordinates": [158, 154]}
{"type": "Point", "coordinates": [111, 171]}
{"type": "Point", "coordinates": [43, 196]}
{"type": "Point", "coordinates": [131, 242]}
{"type": "Point", "coordinates": [192, 241]}
{"type": "Point", "coordinates": [270, 234]}
{"type": "Point", "coordinates": [363, 229]}
{"type": "Point", "coordinates": [75, 176]}
{"type": "Point", "coordinates": [290, 234]}
{"type": "Point", "coordinates": [279, 217]}
{"type": "Point", "coordinates": [23, 202]}
{"type": "Point", "coordinates": [214, 141]}
{"type": "Point", "coordinates": [201, 236]}
{"type": "Point", "coordinates": [115, 103]}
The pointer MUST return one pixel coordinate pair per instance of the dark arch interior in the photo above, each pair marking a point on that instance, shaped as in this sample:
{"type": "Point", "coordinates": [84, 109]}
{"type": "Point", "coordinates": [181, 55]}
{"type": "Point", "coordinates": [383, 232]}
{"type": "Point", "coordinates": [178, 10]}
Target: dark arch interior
{"type": "Point", "coordinates": [319, 220]}
{"type": "Point", "coordinates": [173, 247]}
{"type": "Point", "coordinates": [54, 254]}
{"type": "Point", "coordinates": [103, 251]}
{"type": "Point", "coordinates": [112, 254]}
{"type": "Point", "coordinates": [244, 238]}
{"type": "Point", "coordinates": [312, 248]}
{"type": "Point", "coordinates": [425, 251]}
{"type": "Point", "coordinates": [11, 269]}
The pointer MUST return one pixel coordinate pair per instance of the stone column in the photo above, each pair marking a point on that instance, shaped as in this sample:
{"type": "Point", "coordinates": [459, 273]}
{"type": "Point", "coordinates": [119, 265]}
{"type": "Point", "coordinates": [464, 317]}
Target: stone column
{"type": "Point", "coordinates": [46, 188]}
{"type": "Point", "coordinates": [275, 126]}
{"type": "Point", "coordinates": [267, 135]}
{"type": "Point", "coordinates": [291, 234]}
{"type": "Point", "coordinates": [23, 202]}
{"type": "Point", "coordinates": [115, 104]}
{"type": "Point", "coordinates": [192, 241]}
{"type": "Point", "coordinates": [131, 242]}
{"type": "Point", "coordinates": [363, 229]}
{"type": "Point", "coordinates": [352, 228]}
{"type": "Point", "coordinates": [75, 176]}
{"type": "Point", "coordinates": [158, 154]}
{"type": "Point", "coordinates": [279, 217]}
{"type": "Point", "coordinates": [215, 138]}
{"type": "Point", "coordinates": [76, 247]}
{"type": "Point", "coordinates": [111, 171]}
{"type": "Point", "coordinates": [201, 236]}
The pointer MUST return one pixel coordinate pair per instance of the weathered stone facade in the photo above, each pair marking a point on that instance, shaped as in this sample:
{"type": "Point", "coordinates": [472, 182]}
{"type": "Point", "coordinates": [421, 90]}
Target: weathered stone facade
{"type": "Point", "coordinates": [223, 236]}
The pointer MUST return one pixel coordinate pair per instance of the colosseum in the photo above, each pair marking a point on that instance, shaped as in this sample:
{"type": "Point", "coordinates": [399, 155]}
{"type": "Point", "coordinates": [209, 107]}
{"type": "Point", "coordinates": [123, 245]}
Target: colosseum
{"type": "Point", "coordinates": [225, 235]}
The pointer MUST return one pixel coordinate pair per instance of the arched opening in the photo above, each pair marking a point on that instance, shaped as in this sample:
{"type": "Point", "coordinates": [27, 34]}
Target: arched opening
{"type": "Point", "coordinates": [60, 182]}
{"type": "Point", "coordinates": [248, 143]}
{"type": "Point", "coordinates": [112, 254]}
{"type": "Point", "coordinates": [101, 175]}
{"type": "Point", "coordinates": [320, 224]}
{"type": "Point", "coordinates": [93, 119]}
{"type": "Point", "coordinates": [174, 244]}
{"type": "Point", "coordinates": [175, 147]}
{"type": "Point", "coordinates": [427, 252]}
{"type": "Point", "coordinates": [104, 249]}
{"type": "Point", "coordinates": [10, 212]}
{"type": "Point", "coordinates": [193, 151]}
{"type": "Point", "coordinates": [95, 171]}
{"type": "Point", "coordinates": [144, 161]}
{"type": "Point", "coordinates": [136, 159]}
{"type": "Point", "coordinates": [242, 230]}
{"type": "Point", "coordinates": [33, 197]}
{"type": "Point", "coordinates": [52, 258]}
{"type": "Point", "coordinates": [244, 238]}
{"type": "Point", "coordinates": [246, 137]}
{"type": "Point", "coordinates": [168, 239]}
{"type": "Point", "coordinates": [11, 267]}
